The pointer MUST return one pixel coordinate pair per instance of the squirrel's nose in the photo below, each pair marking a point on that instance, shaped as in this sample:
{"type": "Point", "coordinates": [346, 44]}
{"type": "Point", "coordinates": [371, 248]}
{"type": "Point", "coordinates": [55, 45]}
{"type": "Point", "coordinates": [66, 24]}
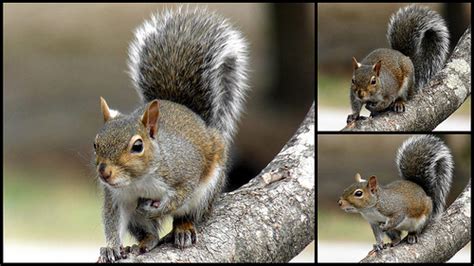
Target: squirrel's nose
{"type": "Point", "coordinates": [339, 202]}
{"type": "Point", "coordinates": [104, 174]}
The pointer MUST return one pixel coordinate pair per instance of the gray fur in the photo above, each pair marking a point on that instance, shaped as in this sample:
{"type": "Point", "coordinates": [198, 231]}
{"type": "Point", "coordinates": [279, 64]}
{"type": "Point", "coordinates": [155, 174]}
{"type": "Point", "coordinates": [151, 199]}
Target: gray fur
{"type": "Point", "coordinates": [427, 161]}
{"type": "Point", "coordinates": [422, 35]}
{"type": "Point", "coordinates": [195, 58]}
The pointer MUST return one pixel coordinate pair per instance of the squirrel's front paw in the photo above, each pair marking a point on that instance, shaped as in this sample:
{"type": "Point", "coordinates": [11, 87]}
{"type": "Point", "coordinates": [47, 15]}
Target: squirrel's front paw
{"type": "Point", "coordinates": [371, 106]}
{"type": "Point", "coordinates": [148, 207]}
{"type": "Point", "coordinates": [353, 117]}
{"type": "Point", "coordinates": [111, 254]}
{"type": "Point", "coordinates": [379, 246]}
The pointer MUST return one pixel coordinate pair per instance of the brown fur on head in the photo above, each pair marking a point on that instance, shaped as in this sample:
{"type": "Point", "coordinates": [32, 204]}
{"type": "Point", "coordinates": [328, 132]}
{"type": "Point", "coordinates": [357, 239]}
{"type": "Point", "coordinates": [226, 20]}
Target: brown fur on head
{"type": "Point", "coordinates": [123, 147]}
{"type": "Point", "coordinates": [359, 195]}
{"type": "Point", "coordinates": [365, 79]}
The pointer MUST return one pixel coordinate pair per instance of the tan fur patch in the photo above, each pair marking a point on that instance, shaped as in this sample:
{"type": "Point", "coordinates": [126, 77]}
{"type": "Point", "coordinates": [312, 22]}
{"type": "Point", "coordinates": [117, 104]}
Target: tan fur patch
{"type": "Point", "coordinates": [146, 241]}
{"type": "Point", "coordinates": [183, 226]}
{"type": "Point", "coordinates": [214, 157]}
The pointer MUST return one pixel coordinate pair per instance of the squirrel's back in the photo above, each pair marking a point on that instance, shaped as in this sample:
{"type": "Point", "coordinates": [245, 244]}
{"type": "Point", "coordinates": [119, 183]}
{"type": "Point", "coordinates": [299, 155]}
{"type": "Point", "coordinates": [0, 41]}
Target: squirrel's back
{"type": "Point", "coordinates": [195, 58]}
{"type": "Point", "coordinates": [427, 161]}
{"type": "Point", "coordinates": [422, 35]}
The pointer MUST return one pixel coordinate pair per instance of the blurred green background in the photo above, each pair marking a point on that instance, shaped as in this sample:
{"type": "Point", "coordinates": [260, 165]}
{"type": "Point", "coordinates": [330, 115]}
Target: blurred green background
{"type": "Point", "coordinates": [340, 157]}
{"type": "Point", "coordinates": [355, 29]}
{"type": "Point", "coordinates": [60, 58]}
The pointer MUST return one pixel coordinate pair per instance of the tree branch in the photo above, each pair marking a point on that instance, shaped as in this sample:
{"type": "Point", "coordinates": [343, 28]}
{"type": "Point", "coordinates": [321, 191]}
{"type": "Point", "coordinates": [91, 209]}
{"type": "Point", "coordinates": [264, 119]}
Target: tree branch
{"type": "Point", "coordinates": [270, 219]}
{"type": "Point", "coordinates": [443, 95]}
{"type": "Point", "coordinates": [439, 241]}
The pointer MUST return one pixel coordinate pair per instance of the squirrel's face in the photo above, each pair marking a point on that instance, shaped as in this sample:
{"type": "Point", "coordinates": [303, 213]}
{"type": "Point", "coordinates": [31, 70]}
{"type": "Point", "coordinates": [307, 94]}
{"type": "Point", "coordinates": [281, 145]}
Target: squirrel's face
{"type": "Point", "coordinates": [124, 147]}
{"type": "Point", "coordinates": [359, 195]}
{"type": "Point", "coordinates": [365, 80]}
{"type": "Point", "coordinates": [123, 152]}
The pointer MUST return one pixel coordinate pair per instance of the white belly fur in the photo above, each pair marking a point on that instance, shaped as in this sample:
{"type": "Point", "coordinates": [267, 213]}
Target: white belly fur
{"type": "Point", "coordinates": [126, 198]}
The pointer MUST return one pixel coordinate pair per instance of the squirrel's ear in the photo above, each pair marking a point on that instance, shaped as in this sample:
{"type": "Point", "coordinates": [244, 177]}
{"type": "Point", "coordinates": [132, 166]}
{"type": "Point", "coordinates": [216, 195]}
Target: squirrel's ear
{"type": "Point", "coordinates": [377, 67]}
{"type": "Point", "coordinates": [150, 118]}
{"type": "Point", "coordinates": [372, 184]}
{"type": "Point", "coordinates": [105, 109]}
{"type": "Point", "coordinates": [358, 178]}
{"type": "Point", "coordinates": [355, 64]}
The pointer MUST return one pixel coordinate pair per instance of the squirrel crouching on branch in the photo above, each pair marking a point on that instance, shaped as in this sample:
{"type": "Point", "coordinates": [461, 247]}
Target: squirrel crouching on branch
{"type": "Point", "coordinates": [169, 157]}
{"type": "Point", "coordinates": [387, 78]}
{"type": "Point", "coordinates": [426, 165]}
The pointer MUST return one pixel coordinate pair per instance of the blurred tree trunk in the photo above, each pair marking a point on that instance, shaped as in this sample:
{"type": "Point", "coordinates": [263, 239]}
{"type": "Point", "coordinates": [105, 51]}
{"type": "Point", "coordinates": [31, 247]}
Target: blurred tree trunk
{"type": "Point", "coordinates": [294, 53]}
{"type": "Point", "coordinates": [457, 19]}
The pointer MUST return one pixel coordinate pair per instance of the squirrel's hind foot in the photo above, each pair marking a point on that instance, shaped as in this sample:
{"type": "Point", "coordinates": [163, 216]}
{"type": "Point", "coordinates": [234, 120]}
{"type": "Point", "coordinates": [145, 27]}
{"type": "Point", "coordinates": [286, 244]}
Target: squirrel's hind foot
{"type": "Point", "coordinates": [184, 234]}
{"type": "Point", "coordinates": [399, 106]}
{"type": "Point", "coordinates": [412, 238]}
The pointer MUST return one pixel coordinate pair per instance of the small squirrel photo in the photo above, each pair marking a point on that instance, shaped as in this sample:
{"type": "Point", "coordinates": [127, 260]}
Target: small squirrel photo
{"type": "Point", "coordinates": [169, 157]}
{"type": "Point", "coordinates": [387, 77]}
{"type": "Point", "coordinates": [426, 166]}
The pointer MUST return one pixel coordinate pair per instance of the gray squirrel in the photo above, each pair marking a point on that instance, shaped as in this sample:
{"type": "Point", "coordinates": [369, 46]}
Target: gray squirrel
{"type": "Point", "coordinates": [386, 78]}
{"type": "Point", "coordinates": [169, 157]}
{"type": "Point", "coordinates": [426, 166]}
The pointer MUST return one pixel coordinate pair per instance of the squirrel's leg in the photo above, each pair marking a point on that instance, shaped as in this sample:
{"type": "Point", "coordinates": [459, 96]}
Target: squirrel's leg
{"type": "Point", "coordinates": [404, 91]}
{"type": "Point", "coordinates": [393, 222]}
{"type": "Point", "coordinates": [395, 237]}
{"type": "Point", "coordinates": [356, 105]}
{"type": "Point", "coordinates": [378, 107]}
{"type": "Point", "coordinates": [378, 233]}
{"type": "Point", "coordinates": [111, 218]}
{"type": "Point", "coordinates": [183, 234]}
{"type": "Point", "coordinates": [146, 233]}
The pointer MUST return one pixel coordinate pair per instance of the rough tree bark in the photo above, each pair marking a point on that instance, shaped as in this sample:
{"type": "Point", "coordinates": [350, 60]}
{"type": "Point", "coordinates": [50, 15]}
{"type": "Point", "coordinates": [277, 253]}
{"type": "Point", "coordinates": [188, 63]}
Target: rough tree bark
{"type": "Point", "coordinates": [270, 219]}
{"type": "Point", "coordinates": [443, 95]}
{"type": "Point", "coordinates": [439, 241]}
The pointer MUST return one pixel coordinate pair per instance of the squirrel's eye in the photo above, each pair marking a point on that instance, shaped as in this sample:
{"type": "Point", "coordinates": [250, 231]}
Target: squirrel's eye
{"type": "Point", "coordinates": [353, 81]}
{"type": "Point", "coordinates": [137, 146]}
{"type": "Point", "coordinates": [358, 193]}
{"type": "Point", "coordinates": [95, 146]}
{"type": "Point", "coordinates": [372, 81]}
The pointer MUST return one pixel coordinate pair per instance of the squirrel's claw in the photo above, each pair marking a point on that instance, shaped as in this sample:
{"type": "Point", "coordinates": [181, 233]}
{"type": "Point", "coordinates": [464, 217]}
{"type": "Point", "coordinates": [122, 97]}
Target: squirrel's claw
{"type": "Point", "coordinates": [184, 235]}
{"type": "Point", "coordinates": [412, 238]}
{"type": "Point", "coordinates": [110, 254]}
{"type": "Point", "coordinates": [379, 247]}
{"type": "Point", "coordinates": [353, 117]}
{"type": "Point", "coordinates": [376, 248]}
{"type": "Point", "coordinates": [399, 106]}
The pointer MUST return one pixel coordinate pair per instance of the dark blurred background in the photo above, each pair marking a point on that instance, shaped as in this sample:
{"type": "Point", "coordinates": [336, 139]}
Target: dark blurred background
{"type": "Point", "coordinates": [355, 29]}
{"type": "Point", "coordinates": [60, 58]}
{"type": "Point", "coordinates": [340, 157]}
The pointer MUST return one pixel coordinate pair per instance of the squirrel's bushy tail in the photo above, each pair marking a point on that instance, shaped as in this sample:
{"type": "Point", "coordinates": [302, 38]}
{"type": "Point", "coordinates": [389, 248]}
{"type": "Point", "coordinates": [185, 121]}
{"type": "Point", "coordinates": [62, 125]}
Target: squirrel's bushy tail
{"type": "Point", "coordinates": [427, 161]}
{"type": "Point", "coordinates": [195, 58]}
{"type": "Point", "coordinates": [422, 35]}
